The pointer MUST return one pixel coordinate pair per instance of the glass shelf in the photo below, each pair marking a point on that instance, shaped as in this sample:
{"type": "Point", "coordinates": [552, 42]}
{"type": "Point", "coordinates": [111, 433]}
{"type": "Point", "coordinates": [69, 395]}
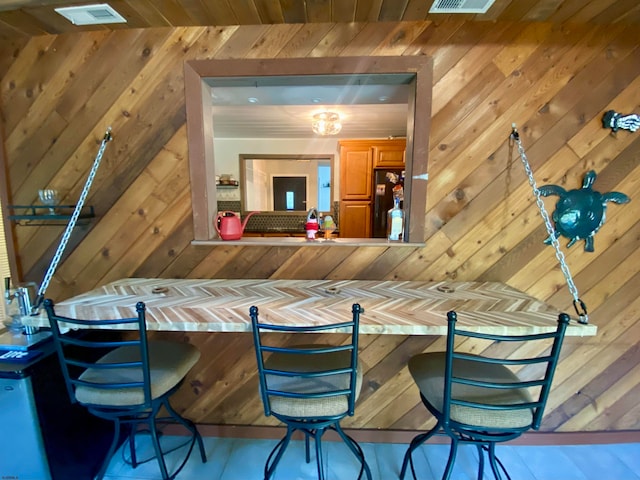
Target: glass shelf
{"type": "Point", "coordinates": [45, 215]}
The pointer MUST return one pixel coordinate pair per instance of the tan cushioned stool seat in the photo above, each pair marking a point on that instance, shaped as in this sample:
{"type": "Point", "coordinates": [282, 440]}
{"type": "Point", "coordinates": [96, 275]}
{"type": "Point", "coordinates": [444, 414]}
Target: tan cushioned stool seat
{"type": "Point", "coordinates": [427, 370]}
{"type": "Point", "coordinates": [169, 363]}
{"type": "Point", "coordinates": [311, 407]}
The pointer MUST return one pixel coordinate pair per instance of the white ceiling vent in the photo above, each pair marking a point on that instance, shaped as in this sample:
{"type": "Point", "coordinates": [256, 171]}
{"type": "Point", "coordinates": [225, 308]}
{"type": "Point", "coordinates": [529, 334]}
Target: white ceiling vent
{"type": "Point", "coordinates": [461, 6]}
{"type": "Point", "coordinates": [91, 14]}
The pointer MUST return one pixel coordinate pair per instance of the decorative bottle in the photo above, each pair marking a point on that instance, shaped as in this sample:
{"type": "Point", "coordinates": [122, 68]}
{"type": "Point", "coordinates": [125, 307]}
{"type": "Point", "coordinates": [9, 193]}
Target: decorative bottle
{"type": "Point", "coordinates": [395, 221]}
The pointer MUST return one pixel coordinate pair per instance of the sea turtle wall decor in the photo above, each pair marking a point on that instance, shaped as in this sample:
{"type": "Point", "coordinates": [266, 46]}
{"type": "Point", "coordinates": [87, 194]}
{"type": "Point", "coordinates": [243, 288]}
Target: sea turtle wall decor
{"type": "Point", "coordinates": [580, 213]}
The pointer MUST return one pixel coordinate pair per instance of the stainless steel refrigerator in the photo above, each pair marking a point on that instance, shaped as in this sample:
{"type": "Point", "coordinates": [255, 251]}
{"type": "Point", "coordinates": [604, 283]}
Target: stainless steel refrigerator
{"type": "Point", "coordinates": [384, 182]}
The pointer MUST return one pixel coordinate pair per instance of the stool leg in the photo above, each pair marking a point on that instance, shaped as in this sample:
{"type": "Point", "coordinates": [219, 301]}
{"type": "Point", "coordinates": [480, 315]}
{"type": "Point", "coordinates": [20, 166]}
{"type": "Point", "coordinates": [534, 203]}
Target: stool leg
{"type": "Point", "coordinates": [494, 462]}
{"type": "Point", "coordinates": [278, 451]}
{"type": "Point", "coordinates": [307, 451]}
{"type": "Point", "coordinates": [319, 456]}
{"type": "Point", "coordinates": [112, 450]}
{"type": "Point", "coordinates": [453, 451]}
{"type": "Point", "coordinates": [132, 445]}
{"type": "Point", "coordinates": [189, 425]}
{"type": "Point", "coordinates": [156, 446]}
{"type": "Point", "coordinates": [356, 449]}
{"type": "Point", "coordinates": [481, 462]}
{"type": "Point", "coordinates": [415, 443]}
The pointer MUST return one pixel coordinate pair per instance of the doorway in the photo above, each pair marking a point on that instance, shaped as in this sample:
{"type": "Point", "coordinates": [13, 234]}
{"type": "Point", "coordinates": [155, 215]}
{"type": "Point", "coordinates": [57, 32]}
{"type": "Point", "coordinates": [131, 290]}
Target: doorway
{"type": "Point", "coordinates": [289, 193]}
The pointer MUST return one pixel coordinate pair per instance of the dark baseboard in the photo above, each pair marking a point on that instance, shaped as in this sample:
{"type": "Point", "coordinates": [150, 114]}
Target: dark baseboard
{"type": "Point", "coordinates": [405, 436]}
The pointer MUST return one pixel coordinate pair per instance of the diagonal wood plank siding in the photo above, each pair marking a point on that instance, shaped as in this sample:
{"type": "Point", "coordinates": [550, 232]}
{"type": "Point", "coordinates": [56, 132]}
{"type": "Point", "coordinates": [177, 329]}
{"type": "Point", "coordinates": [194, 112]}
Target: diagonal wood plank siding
{"type": "Point", "coordinates": [59, 93]}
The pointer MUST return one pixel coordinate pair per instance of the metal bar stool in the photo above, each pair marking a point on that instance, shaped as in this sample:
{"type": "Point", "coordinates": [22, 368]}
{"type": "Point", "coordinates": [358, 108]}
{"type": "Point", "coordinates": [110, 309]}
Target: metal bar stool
{"type": "Point", "coordinates": [310, 388]}
{"type": "Point", "coordinates": [481, 399]}
{"type": "Point", "coordinates": [129, 384]}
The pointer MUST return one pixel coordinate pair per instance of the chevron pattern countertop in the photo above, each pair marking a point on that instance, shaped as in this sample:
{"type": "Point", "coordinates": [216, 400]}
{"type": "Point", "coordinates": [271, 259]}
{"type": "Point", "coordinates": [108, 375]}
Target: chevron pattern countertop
{"type": "Point", "coordinates": [390, 307]}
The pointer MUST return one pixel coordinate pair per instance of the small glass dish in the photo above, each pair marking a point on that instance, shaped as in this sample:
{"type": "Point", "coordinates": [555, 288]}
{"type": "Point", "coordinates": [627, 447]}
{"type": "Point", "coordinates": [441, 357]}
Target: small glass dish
{"type": "Point", "coordinates": [49, 197]}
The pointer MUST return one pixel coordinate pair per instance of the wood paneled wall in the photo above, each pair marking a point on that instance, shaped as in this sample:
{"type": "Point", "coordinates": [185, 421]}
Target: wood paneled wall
{"type": "Point", "coordinates": [60, 93]}
{"type": "Point", "coordinates": [38, 17]}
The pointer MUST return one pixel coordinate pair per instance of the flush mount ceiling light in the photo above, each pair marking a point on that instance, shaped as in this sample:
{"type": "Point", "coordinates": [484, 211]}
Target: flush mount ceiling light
{"type": "Point", "coordinates": [461, 6]}
{"type": "Point", "coordinates": [91, 14]}
{"type": "Point", "coordinates": [326, 123]}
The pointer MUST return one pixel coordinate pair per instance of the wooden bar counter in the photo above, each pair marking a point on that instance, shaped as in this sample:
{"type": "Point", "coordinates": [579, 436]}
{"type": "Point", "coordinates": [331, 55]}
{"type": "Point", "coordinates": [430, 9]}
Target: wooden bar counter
{"type": "Point", "coordinates": [390, 307]}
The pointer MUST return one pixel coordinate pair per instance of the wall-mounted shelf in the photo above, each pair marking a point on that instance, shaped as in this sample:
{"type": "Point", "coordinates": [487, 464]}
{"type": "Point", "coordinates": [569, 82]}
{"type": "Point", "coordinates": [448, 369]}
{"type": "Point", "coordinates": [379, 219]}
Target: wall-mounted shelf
{"type": "Point", "coordinates": [226, 185]}
{"type": "Point", "coordinates": [45, 215]}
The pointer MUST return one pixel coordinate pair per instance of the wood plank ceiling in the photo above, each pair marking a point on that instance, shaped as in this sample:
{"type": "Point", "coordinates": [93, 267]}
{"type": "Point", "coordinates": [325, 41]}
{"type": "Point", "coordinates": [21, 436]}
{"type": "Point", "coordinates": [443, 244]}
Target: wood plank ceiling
{"type": "Point", "coordinates": [37, 17]}
{"type": "Point", "coordinates": [58, 92]}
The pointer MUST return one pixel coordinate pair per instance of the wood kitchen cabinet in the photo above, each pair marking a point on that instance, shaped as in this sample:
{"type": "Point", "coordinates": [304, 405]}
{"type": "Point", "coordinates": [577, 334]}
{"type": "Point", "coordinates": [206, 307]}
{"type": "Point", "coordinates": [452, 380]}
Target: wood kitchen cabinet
{"type": "Point", "coordinates": [355, 219]}
{"type": "Point", "coordinates": [356, 170]}
{"type": "Point", "coordinates": [358, 159]}
{"type": "Point", "coordinates": [390, 154]}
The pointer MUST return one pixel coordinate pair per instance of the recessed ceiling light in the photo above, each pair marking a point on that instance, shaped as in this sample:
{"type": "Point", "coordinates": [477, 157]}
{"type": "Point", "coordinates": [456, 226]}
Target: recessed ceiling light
{"type": "Point", "coordinates": [316, 100]}
{"type": "Point", "coordinates": [252, 100]}
{"type": "Point", "coordinates": [383, 98]}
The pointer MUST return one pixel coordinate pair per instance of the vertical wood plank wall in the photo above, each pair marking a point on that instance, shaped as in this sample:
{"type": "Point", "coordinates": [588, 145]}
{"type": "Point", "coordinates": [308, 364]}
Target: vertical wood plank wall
{"type": "Point", "coordinates": [60, 93]}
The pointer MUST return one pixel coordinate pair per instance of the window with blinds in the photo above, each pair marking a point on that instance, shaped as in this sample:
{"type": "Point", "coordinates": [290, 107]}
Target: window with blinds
{"type": "Point", "coordinates": [4, 265]}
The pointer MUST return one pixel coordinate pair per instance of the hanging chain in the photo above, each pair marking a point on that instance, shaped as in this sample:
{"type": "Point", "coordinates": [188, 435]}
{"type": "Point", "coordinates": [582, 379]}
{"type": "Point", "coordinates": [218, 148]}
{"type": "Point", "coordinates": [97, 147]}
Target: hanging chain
{"type": "Point", "coordinates": [70, 226]}
{"type": "Point", "coordinates": [578, 304]}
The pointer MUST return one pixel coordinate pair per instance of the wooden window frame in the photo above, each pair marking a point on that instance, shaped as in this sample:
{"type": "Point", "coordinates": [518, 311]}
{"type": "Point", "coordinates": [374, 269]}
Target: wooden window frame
{"type": "Point", "coordinates": [200, 134]}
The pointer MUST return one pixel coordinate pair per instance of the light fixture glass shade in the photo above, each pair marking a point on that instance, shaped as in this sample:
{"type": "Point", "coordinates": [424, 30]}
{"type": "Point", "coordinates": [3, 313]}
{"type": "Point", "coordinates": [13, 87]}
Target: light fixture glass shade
{"type": "Point", "coordinates": [326, 123]}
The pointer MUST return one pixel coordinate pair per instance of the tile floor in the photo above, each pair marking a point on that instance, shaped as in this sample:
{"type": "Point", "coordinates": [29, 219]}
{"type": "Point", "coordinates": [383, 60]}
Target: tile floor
{"type": "Point", "coordinates": [242, 459]}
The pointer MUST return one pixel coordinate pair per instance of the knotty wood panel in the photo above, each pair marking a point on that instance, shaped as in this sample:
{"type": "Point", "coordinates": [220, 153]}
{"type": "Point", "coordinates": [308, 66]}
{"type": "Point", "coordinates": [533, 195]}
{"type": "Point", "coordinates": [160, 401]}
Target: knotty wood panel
{"type": "Point", "coordinates": [36, 17]}
{"type": "Point", "coordinates": [60, 92]}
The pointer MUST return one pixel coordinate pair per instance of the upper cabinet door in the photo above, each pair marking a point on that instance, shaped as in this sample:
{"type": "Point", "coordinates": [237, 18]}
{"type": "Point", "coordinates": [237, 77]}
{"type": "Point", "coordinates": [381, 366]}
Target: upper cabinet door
{"type": "Point", "coordinates": [389, 155]}
{"type": "Point", "coordinates": [356, 173]}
